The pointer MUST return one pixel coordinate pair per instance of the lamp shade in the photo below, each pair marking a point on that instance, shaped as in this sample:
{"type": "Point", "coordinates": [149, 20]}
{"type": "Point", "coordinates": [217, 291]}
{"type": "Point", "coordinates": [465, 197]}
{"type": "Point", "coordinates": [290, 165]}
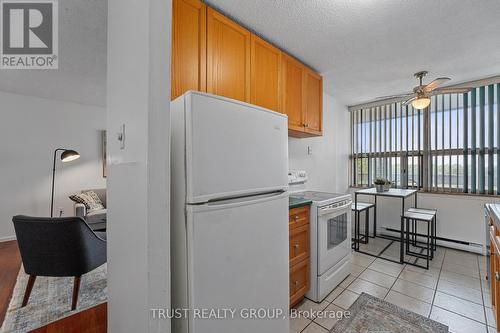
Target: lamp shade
{"type": "Point", "coordinates": [69, 155]}
{"type": "Point", "coordinates": [421, 103]}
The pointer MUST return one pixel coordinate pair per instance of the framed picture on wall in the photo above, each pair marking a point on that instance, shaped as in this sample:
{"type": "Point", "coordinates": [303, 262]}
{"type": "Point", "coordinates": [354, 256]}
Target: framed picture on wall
{"type": "Point", "coordinates": [103, 149]}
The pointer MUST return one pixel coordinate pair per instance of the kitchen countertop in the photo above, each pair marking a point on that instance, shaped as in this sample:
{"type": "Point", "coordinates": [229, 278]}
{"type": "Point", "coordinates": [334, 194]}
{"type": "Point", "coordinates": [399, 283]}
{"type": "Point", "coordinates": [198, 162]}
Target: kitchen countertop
{"type": "Point", "coordinates": [294, 202]}
{"type": "Point", "coordinates": [493, 210]}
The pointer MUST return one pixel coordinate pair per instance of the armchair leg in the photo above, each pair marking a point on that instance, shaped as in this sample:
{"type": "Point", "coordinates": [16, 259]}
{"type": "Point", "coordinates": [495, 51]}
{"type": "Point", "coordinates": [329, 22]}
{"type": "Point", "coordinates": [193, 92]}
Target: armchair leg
{"type": "Point", "coordinates": [76, 289]}
{"type": "Point", "coordinates": [29, 287]}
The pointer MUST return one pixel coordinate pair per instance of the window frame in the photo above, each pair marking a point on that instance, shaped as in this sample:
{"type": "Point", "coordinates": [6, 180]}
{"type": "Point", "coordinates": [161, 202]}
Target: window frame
{"type": "Point", "coordinates": [472, 134]}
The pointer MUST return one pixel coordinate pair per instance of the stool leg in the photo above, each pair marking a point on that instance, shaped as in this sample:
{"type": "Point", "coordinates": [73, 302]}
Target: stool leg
{"type": "Point", "coordinates": [428, 243]}
{"type": "Point", "coordinates": [374, 226]}
{"type": "Point", "coordinates": [357, 230]}
{"type": "Point", "coordinates": [414, 235]}
{"type": "Point", "coordinates": [435, 232]}
{"type": "Point", "coordinates": [355, 243]}
{"type": "Point", "coordinates": [401, 248]}
{"type": "Point", "coordinates": [367, 230]}
{"type": "Point", "coordinates": [432, 238]}
{"type": "Point", "coordinates": [375, 218]}
{"type": "Point", "coordinates": [407, 241]}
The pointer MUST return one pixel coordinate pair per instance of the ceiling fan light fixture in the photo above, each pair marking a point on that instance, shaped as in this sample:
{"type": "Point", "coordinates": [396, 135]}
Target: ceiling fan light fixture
{"type": "Point", "coordinates": [421, 103]}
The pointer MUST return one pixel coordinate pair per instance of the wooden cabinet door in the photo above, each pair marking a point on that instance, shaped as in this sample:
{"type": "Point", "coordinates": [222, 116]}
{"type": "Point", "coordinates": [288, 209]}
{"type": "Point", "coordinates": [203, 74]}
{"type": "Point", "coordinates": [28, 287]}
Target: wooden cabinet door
{"type": "Point", "coordinates": [228, 57]}
{"type": "Point", "coordinates": [189, 40]}
{"type": "Point", "coordinates": [299, 281]}
{"type": "Point", "coordinates": [298, 245]}
{"type": "Point", "coordinates": [292, 101]}
{"type": "Point", "coordinates": [265, 66]}
{"type": "Point", "coordinates": [313, 106]}
{"type": "Point", "coordinates": [298, 216]}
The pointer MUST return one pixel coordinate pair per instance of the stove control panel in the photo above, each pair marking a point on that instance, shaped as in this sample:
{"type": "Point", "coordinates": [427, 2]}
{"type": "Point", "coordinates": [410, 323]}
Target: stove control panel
{"type": "Point", "coordinates": [297, 177]}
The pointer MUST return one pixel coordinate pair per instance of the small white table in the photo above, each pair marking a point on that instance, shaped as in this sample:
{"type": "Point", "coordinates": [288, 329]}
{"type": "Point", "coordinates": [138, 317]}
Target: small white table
{"type": "Point", "coordinates": [394, 193]}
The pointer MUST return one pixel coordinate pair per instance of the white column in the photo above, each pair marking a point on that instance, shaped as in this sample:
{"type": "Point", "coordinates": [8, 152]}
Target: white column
{"type": "Point", "coordinates": [138, 180]}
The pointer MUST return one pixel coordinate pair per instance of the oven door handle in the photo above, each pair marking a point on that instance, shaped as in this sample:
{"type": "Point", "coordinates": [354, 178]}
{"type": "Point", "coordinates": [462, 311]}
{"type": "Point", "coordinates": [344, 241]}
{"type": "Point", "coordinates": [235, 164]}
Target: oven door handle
{"type": "Point", "coordinates": [325, 211]}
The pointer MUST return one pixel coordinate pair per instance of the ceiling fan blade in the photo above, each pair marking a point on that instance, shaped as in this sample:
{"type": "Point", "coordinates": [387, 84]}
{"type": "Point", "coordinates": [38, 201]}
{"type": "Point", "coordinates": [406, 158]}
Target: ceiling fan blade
{"type": "Point", "coordinates": [451, 91]}
{"type": "Point", "coordinates": [395, 96]}
{"type": "Point", "coordinates": [408, 101]}
{"type": "Point", "coordinates": [436, 83]}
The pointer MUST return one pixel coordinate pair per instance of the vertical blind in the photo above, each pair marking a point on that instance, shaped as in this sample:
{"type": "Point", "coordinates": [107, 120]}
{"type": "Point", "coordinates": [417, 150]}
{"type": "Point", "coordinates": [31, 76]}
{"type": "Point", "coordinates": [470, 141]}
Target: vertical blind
{"type": "Point", "coordinates": [452, 146]}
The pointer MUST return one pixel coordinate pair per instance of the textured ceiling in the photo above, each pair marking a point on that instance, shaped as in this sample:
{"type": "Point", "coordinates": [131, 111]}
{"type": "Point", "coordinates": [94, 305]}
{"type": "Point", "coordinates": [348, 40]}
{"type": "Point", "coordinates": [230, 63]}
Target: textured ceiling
{"type": "Point", "coordinates": [363, 48]}
{"type": "Point", "coordinates": [81, 76]}
{"type": "Point", "coordinates": [370, 48]}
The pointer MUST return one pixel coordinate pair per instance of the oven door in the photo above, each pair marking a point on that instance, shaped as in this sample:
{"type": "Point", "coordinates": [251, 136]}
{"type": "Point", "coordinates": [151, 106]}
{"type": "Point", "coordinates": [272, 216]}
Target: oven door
{"type": "Point", "coordinates": [334, 234]}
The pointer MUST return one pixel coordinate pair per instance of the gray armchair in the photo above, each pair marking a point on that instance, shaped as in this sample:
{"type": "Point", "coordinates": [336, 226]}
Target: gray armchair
{"type": "Point", "coordinates": [64, 246]}
{"type": "Point", "coordinates": [96, 219]}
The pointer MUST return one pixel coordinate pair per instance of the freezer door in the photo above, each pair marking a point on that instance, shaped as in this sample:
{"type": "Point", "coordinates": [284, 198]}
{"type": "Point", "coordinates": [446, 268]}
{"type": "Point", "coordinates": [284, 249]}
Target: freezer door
{"type": "Point", "coordinates": [238, 259]}
{"type": "Point", "coordinates": [233, 148]}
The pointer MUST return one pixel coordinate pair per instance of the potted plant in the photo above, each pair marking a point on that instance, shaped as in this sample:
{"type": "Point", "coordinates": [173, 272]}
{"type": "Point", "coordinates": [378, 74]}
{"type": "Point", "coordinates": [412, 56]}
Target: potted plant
{"type": "Point", "coordinates": [387, 185]}
{"type": "Point", "coordinates": [379, 184]}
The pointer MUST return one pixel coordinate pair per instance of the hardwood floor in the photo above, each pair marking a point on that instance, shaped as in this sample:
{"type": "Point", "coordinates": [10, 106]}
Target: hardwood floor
{"type": "Point", "coordinates": [10, 262]}
{"type": "Point", "coordinates": [93, 320]}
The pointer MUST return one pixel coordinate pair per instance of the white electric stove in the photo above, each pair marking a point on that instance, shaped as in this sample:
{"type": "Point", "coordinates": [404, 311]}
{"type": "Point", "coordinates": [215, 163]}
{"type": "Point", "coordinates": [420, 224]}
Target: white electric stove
{"type": "Point", "coordinates": [330, 232]}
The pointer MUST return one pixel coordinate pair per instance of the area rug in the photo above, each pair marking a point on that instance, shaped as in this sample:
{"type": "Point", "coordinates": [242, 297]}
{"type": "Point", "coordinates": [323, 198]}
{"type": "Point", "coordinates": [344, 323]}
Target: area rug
{"type": "Point", "coordinates": [50, 299]}
{"type": "Point", "coordinates": [371, 314]}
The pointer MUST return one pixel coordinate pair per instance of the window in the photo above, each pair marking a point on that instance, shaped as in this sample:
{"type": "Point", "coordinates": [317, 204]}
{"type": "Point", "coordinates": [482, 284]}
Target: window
{"type": "Point", "coordinates": [453, 146]}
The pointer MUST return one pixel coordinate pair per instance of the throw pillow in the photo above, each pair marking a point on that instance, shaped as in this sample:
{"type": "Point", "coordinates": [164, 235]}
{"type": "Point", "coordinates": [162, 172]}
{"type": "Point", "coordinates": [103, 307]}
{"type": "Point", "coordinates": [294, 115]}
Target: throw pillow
{"type": "Point", "coordinates": [90, 199]}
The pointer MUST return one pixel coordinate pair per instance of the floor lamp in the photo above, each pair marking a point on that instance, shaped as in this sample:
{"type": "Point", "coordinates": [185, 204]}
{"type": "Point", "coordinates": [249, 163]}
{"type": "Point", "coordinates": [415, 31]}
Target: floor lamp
{"type": "Point", "coordinates": [67, 155]}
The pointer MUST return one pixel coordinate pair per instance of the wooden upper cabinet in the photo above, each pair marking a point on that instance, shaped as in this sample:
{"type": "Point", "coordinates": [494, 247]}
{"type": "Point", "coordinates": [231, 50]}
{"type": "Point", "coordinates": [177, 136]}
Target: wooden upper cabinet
{"type": "Point", "coordinates": [292, 93]}
{"type": "Point", "coordinates": [265, 64]}
{"type": "Point", "coordinates": [228, 57]}
{"type": "Point", "coordinates": [189, 38]}
{"type": "Point", "coordinates": [213, 54]}
{"type": "Point", "coordinates": [313, 108]}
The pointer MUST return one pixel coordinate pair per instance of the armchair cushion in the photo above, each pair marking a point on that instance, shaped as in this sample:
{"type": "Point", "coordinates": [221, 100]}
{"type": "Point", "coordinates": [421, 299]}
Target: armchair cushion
{"type": "Point", "coordinates": [96, 219]}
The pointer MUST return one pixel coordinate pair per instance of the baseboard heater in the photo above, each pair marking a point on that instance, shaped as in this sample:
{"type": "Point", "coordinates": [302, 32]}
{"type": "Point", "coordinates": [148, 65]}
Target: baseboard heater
{"type": "Point", "coordinates": [446, 242]}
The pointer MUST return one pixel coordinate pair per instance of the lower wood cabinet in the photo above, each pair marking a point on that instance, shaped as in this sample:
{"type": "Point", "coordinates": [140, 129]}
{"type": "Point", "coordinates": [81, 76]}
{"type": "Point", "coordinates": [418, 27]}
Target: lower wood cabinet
{"type": "Point", "coordinates": [495, 270]}
{"type": "Point", "coordinates": [299, 253]}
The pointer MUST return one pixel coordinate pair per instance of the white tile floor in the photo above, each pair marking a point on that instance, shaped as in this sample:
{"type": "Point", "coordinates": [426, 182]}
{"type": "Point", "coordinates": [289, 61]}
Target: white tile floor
{"type": "Point", "coordinates": [453, 291]}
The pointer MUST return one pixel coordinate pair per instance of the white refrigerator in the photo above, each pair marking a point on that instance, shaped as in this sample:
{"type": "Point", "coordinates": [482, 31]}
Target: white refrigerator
{"type": "Point", "coordinates": [229, 216]}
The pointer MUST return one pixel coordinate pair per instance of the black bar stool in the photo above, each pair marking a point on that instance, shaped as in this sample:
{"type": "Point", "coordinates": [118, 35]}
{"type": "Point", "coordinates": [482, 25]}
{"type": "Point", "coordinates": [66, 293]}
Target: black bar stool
{"type": "Point", "coordinates": [432, 212]}
{"type": "Point", "coordinates": [362, 207]}
{"type": "Point", "coordinates": [416, 218]}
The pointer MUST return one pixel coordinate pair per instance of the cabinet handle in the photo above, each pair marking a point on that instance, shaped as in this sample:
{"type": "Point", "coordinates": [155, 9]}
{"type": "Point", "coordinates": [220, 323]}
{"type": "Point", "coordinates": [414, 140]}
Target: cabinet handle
{"type": "Point", "coordinates": [296, 283]}
{"type": "Point", "coordinates": [306, 125]}
{"type": "Point", "coordinates": [296, 217]}
{"type": "Point", "coordinates": [497, 276]}
{"type": "Point", "coordinates": [296, 248]}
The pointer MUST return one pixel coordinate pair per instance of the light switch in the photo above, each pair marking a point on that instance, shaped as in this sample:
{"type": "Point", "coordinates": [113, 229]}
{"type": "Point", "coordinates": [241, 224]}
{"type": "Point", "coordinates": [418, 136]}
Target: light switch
{"type": "Point", "coordinates": [121, 136]}
{"type": "Point", "coordinates": [309, 150]}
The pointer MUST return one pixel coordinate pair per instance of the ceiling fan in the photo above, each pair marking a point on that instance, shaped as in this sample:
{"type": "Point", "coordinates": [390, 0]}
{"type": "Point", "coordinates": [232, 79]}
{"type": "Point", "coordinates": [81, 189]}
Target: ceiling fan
{"type": "Point", "coordinates": [420, 97]}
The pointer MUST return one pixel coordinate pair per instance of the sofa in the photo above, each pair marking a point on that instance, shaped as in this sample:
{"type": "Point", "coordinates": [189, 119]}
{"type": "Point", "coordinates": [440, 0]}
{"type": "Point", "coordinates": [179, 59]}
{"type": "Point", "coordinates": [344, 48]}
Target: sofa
{"type": "Point", "coordinates": [96, 219]}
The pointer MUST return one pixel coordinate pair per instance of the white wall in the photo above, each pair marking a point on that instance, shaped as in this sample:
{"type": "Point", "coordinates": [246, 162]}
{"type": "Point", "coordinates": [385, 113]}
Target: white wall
{"type": "Point", "coordinates": [328, 164]}
{"type": "Point", "coordinates": [30, 129]}
{"type": "Point", "coordinates": [138, 185]}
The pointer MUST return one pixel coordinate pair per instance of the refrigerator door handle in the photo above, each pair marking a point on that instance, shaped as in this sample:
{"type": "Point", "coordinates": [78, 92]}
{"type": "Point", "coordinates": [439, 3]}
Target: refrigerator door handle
{"type": "Point", "coordinates": [240, 201]}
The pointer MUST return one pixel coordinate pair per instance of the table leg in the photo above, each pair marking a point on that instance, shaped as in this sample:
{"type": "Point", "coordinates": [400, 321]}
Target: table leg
{"type": "Point", "coordinates": [375, 218]}
{"type": "Point", "coordinates": [416, 199]}
{"type": "Point", "coordinates": [356, 230]}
